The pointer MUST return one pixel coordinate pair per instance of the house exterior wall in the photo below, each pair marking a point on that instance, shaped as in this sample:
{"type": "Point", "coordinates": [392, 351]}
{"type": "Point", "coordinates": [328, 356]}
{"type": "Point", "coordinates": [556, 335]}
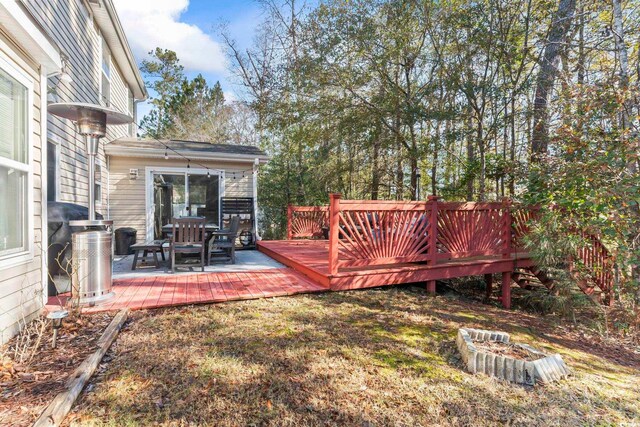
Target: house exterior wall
{"type": "Point", "coordinates": [127, 197]}
{"type": "Point", "coordinates": [21, 290]}
{"type": "Point", "coordinates": [71, 25]}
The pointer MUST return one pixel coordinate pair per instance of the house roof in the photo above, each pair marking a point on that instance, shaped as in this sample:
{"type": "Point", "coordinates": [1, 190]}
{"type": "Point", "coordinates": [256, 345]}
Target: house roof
{"type": "Point", "coordinates": [105, 15]}
{"type": "Point", "coordinates": [142, 147]}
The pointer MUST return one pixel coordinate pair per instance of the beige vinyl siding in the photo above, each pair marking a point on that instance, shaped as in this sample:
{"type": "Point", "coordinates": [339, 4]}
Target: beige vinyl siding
{"type": "Point", "coordinates": [21, 290]}
{"type": "Point", "coordinates": [127, 197]}
{"type": "Point", "coordinates": [73, 29]}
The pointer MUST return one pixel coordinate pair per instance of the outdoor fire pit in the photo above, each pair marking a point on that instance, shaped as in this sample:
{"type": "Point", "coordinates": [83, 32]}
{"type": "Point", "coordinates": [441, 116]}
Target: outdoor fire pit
{"type": "Point", "coordinates": [491, 353]}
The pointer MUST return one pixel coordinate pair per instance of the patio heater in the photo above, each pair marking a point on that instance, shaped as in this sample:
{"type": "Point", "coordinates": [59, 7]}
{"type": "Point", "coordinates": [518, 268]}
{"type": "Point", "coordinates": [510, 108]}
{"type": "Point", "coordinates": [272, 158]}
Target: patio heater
{"type": "Point", "coordinates": [92, 252]}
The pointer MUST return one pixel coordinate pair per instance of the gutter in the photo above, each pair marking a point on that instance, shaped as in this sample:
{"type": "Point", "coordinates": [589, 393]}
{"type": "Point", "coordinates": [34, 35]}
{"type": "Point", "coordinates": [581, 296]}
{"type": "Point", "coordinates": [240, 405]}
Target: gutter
{"type": "Point", "coordinates": [154, 153]}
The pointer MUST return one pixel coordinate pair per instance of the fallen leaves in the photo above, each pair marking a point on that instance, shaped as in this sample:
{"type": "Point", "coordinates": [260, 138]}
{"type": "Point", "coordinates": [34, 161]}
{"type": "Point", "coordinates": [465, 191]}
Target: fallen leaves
{"type": "Point", "coordinates": [25, 389]}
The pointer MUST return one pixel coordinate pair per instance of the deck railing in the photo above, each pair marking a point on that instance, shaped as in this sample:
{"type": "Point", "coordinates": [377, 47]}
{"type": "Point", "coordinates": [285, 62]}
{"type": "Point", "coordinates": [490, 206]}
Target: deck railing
{"type": "Point", "coordinates": [594, 270]}
{"type": "Point", "coordinates": [307, 221]}
{"type": "Point", "coordinates": [370, 233]}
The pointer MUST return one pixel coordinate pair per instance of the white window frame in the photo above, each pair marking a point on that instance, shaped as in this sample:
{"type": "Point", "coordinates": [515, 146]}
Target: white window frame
{"type": "Point", "coordinates": [55, 141]}
{"type": "Point", "coordinates": [150, 170]}
{"type": "Point", "coordinates": [26, 255]}
{"type": "Point", "coordinates": [103, 74]}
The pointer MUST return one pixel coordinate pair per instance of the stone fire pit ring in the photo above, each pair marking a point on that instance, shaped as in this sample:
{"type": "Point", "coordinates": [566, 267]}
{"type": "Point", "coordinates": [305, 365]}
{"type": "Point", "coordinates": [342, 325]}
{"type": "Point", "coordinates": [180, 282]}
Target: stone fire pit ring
{"type": "Point", "coordinates": [545, 368]}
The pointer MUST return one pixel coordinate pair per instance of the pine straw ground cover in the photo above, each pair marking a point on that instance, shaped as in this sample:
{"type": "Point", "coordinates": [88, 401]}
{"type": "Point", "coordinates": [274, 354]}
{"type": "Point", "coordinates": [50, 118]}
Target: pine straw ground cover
{"type": "Point", "coordinates": [374, 357]}
{"type": "Point", "coordinates": [32, 373]}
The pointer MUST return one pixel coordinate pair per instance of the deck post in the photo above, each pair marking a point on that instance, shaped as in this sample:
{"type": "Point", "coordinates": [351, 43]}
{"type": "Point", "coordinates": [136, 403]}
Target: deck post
{"type": "Point", "coordinates": [507, 227]}
{"type": "Point", "coordinates": [433, 228]}
{"type": "Point", "coordinates": [289, 221]}
{"type": "Point", "coordinates": [432, 204]}
{"type": "Point", "coordinates": [506, 276]}
{"type": "Point", "coordinates": [431, 287]}
{"type": "Point", "coordinates": [334, 231]}
{"type": "Point", "coordinates": [506, 289]}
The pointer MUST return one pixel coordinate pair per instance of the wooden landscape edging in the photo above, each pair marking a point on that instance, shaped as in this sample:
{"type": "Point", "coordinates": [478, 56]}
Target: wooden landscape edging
{"type": "Point", "coordinates": [60, 406]}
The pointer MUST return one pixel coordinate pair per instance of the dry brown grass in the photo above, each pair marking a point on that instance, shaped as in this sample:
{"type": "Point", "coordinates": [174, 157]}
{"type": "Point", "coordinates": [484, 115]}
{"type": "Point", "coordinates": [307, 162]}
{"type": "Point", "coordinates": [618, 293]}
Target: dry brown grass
{"type": "Point", "coordinates": [376, 357]}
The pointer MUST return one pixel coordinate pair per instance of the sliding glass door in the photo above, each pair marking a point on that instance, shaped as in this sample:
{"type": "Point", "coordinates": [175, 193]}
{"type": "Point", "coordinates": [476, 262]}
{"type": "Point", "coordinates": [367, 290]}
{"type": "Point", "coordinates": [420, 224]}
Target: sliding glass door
{"type": "Point", "coordinates": [180, 194]}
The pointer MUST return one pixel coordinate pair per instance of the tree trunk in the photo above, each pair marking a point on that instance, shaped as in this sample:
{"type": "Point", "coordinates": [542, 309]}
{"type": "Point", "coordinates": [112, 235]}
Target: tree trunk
{"type": "Point", "coordinates": [512, 149]}
{"type": "Point", "coordinates": [483, 162]}
{"type": "Point", "coordinates": [414, 176]}
{"type": "Point", "coordinates": [625, 117]}
{"type": "Point", "coordinates": [436, 148]}
{"type": "Point", "coordinates": [546, 77]}
{"type": "Point", "coordinates": [399, 175]}
{"type": "Point", "coordinates": [375, 176]}
{"type": "Point", "coordinates": [470, 161]}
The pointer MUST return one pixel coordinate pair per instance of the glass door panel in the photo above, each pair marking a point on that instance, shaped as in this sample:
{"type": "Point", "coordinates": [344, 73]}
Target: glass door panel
{"type": "Point", "coordinates": [179, 194]}
{"type": "Point", "coordinates": [204, 197]}
{"type": "Point", "coordinates": [169, 198]}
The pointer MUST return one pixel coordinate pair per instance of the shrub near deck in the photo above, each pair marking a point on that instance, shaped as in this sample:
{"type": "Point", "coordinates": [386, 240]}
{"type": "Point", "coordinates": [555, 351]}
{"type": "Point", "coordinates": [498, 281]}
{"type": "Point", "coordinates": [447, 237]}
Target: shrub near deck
{"type": "Point", "coordinates": [353, 358]}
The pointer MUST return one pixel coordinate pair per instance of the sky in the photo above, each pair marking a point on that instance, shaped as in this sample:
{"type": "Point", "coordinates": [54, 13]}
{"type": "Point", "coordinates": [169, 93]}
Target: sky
{"type": "Point", "coordinates": [191, 29]}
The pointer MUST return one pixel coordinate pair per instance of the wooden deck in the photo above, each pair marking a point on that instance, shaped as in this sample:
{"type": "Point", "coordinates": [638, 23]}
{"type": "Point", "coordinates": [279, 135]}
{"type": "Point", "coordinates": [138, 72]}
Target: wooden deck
{"type": "Point", "coordinates": [199, 288]}
{"type": "Point", "coordinates": [364, 243]}
{"type": "Point", "coordinates": [311, 257]}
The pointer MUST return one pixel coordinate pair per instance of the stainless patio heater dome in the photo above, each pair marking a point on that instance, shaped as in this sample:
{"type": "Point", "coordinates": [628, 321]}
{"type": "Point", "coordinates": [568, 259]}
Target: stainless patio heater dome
{"type": "Point", "coordinates": [92, 254]}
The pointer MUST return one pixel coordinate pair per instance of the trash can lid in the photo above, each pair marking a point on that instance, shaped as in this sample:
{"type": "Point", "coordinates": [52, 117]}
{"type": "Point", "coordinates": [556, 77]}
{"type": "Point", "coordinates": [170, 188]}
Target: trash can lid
{"type": "Point", "coordinates": [90, 223]}
{"type": "Point", "coordinates": [126, 230]}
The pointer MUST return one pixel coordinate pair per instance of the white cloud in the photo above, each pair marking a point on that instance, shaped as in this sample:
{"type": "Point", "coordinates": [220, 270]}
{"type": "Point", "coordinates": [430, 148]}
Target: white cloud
{"type": "Point", "coordinates": [156, 23]}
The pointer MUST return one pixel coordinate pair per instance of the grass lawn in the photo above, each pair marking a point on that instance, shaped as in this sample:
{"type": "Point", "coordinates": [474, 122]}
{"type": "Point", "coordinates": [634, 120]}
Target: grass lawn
{"type": "Point", "coordinates": [375, 357]}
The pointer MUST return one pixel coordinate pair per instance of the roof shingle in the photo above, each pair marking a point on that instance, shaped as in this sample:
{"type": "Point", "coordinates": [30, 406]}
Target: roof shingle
{"type": "Point", "coordinates": [186, 146]}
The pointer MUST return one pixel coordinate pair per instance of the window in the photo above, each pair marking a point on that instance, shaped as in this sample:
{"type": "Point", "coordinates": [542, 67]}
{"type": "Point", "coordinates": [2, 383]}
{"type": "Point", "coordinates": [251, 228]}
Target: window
{"type": "Point", "coordinates": [105, 86]}
{"type": "Point", "coordinates": [14, 163]}
{"type": "Point", "coordinates": [98, 184]}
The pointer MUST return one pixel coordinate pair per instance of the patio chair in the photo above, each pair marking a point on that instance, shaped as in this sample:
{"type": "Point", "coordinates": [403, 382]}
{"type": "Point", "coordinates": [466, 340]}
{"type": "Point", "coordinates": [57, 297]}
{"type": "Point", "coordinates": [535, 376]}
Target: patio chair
{"type": "Point", "coordinates": [225, 241]}
{"type": "Point", "coordinates": [187, 237]}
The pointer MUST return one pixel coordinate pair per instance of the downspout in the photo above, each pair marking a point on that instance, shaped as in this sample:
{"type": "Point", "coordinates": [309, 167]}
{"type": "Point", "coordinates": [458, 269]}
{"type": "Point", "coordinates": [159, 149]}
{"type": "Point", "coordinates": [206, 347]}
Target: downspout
{"type": "Point", "coordinates": [108, 164]}
{"type": "Point", "coordinates": [256, 163]}
{"type": "Point", "coordinates": [134, 113]}
{"type": "Point", "coordinates": [44, 212]}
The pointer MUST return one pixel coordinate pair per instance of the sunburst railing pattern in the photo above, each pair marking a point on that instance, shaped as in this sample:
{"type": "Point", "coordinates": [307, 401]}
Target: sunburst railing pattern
{"type": "Point", "coordinates": [471, 229]}
{"type": "Point", "coordinates": [379, 233]}
{"type": "Point", "coordinates": [307, 222]}
{"type": "Point", "coordinates": [523, 218]}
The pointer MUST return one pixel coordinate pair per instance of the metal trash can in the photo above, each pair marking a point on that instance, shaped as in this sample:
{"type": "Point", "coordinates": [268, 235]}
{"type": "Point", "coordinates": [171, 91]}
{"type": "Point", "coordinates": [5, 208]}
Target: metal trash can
{"type": "Point", "coordinates": [125, 237]}
{"type": "Point", "coordinates": [92, 261]}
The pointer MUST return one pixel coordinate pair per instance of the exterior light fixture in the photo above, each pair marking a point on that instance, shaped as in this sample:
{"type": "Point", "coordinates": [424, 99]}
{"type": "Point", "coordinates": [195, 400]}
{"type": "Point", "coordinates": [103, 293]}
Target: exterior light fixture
{"type": "Point", "coordinates": [65, 76]}
{"type": "Point", "coordinates": [56, 318]}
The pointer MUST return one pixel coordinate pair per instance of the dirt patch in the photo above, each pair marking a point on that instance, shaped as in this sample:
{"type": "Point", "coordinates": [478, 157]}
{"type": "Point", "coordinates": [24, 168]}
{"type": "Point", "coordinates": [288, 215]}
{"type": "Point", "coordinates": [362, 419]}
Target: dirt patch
{"type": "Point", "coordinates": [32, 373]}
{"type": "Point", "coordinates": [507, 350]}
